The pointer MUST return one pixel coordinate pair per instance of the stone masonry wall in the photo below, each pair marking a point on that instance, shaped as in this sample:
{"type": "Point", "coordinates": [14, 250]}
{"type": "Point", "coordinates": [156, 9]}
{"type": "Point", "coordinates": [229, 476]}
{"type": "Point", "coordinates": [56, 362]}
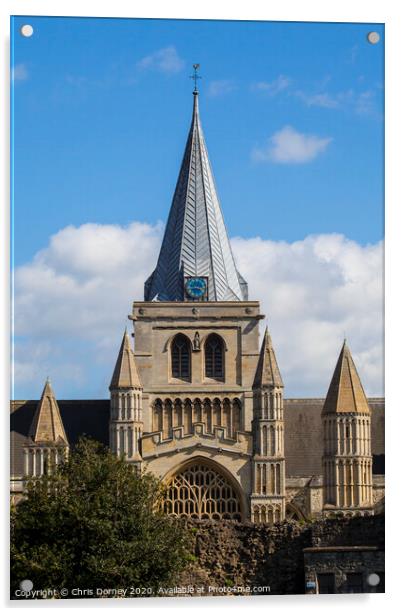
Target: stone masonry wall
{"type": "Point", "coordinates": [244, 554]}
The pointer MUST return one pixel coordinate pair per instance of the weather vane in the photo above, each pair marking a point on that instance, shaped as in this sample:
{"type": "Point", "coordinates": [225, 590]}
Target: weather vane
{"type": "Point", "coordinates": [195, 76]}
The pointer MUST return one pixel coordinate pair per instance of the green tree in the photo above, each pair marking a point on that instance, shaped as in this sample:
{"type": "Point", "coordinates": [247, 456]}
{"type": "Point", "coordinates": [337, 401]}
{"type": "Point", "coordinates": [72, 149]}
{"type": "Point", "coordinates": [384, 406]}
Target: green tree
{"type": "Point", "coordinates": [95, 523]}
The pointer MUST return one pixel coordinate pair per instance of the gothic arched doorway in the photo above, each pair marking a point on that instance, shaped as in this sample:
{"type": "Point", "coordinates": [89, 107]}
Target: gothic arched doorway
{"type": "Point", "coordinates": [199, 490]}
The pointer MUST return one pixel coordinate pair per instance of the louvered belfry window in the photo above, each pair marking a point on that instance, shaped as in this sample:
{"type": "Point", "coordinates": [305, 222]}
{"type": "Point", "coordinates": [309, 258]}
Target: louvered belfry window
{"type": "Point", "coordinates": [214, 357]}
{"type": "Point", "coordinates": [181, 357]}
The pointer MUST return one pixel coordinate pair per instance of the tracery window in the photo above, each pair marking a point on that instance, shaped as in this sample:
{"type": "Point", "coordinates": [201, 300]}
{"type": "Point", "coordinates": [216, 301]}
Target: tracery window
{"type": "Point", "coordinates": [292, 513]}
{"type": "Point", "coordinates": [181, 357]}
{"type": "Point", "coordinates": [201, 492]}
{"type": "Point", "coordinates": [214, 357]}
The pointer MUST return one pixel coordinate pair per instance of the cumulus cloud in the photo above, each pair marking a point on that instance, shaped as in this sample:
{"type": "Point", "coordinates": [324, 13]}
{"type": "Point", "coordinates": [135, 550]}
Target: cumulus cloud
{"type": "Point", "coordinates": [288, 146]}
{"type": "Point", "coordinates": [315, 292]}
{"type": "Point", "coordinates": [72, 300]}
{"type": "Point", "coordinates": [165, 60]}
{"type": "Point", "coordinates": [19, 72]}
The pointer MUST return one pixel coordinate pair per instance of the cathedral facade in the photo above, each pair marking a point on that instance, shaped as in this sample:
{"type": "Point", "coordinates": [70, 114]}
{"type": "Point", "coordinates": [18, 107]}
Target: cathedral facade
{"type": "Point", "coordinates": [197, 397]}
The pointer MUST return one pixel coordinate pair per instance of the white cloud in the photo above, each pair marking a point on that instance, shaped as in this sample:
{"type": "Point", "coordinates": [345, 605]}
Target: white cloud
{"type": "Point", "coordinates": [219, 88]}
{"type": "Point", "coordinates": [365, 103]}
{"type": "Point", "coordinates": [19, 72]}
{"type": "Point", "coordinates": [289, 146]}
{"type": "Point", "coordinates": [323, 99]}
{"type": "Point", "coordinates": [85, 279]}
{"type": "Point", "coordinates": [273, 87]}
{"type": "Point", "coordinates": [361, 103]}
{"type": "Point", "coordinates": [314, 292]}
{"type": "Point", "coordinates": [165, 60]}
{"type": "Point", "coordinates": [72, 300]}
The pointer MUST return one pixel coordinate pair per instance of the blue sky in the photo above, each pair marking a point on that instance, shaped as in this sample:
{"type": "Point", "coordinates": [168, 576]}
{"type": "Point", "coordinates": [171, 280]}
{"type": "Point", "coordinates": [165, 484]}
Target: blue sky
{"type": "Point", "coordinates": [293, 117]}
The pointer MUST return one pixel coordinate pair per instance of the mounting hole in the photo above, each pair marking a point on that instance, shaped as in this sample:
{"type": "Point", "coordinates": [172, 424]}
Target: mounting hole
{"type": "Point", "coordinates": [373, 579]}
{"type": "Point", "coordinates": [26, 585]}
{"type": "Point", "coordinates": [373, 38]}
{"type": "Point", "coordinates": [26, 30]}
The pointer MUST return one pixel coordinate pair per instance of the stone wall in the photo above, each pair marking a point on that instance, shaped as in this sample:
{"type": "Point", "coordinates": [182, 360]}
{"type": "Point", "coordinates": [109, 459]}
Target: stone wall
{"type": "Point", "coordinates": [343, 569]}
{"type": "Point", "coordinates": [243, 554]}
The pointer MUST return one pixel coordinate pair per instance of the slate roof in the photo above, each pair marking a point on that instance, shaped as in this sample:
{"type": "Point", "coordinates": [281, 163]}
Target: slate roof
{"type": "Point", "coordinates": [195, 241]}
{"type": "Point", "coordinates": [79, 417]}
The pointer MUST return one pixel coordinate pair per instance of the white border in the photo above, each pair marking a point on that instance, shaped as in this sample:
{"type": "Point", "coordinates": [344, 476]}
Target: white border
{"type": "Point", "coordinates": [284, 10]}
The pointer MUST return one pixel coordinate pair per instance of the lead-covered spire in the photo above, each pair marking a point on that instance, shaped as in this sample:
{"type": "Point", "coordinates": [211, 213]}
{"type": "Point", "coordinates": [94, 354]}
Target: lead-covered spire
{"type": "Point", "coordinates": [195, 241]}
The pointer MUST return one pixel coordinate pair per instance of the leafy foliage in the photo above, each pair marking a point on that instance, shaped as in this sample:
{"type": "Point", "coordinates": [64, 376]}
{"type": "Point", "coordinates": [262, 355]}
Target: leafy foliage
{"type": "Point", "coordinates": [95, 523]}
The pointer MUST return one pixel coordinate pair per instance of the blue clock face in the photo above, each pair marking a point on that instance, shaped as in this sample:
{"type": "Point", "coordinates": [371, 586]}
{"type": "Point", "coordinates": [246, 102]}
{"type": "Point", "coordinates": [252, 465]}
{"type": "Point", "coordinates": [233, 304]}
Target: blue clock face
{"type": "Point", "coordinates": [196, 287]}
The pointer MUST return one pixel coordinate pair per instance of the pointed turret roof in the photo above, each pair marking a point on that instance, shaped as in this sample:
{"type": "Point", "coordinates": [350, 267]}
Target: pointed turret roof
{"type": "Point", "coordinates": [267, 371]}
{"type": "Point", "coordinates": [195, 241]}
{"type": "Point", "coordinates": [47, 425]}
{"type": "Point", "coordinates": [125, 373]}
{"type": "Point", "coordinates": [345, 393]}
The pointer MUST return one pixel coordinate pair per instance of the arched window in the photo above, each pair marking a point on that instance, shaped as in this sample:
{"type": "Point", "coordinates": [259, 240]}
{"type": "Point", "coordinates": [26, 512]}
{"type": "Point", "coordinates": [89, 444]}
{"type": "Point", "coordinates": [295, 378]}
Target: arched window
{"type": "Point", "coordinates": [181, 357]}
{"type": "Point", "coordinates": [200, 491]}
{"type": "Point", "coordinates": [214, 357]}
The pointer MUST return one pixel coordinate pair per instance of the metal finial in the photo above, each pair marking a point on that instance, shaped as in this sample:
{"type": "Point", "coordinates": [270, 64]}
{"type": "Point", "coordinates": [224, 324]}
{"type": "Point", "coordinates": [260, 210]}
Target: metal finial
{"type": "Point", "coordinates": [195, 76]}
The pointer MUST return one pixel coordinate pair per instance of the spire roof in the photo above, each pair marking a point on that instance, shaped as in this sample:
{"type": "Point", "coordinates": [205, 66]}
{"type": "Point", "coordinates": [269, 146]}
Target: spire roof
{"type": "Point", "coordinates": [195, 241]}
{"type": "Point", "coordinates": [47, 425]}
{"type": "Point", "coordinates": [345, 394]}
{"type": "Point", "coordinates": [125, 373]}
{"type": "Point", "coordinates": [267, 371]}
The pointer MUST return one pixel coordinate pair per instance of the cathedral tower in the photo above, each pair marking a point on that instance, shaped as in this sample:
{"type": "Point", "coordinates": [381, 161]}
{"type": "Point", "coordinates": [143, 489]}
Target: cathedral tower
{"type": "Point", "coordinates": [48, 443]}
{"type": "Point", "coordinates": [196, 350]}
{"type": "Point", "coordinates": [268, 492]}
{"type": "Point", "coordinates": [347, 458]}
{"type": "Point", "coordinates": [126, 424]}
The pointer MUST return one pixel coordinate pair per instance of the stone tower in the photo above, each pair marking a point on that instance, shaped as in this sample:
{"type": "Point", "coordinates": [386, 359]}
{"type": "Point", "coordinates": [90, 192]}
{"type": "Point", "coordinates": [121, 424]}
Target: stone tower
{"type": "Point", "coordinates": [196, 350]}
{"type": "Point", "coordinates": [347, 457]}
{"type": "Point", "coordinates": [126, 425]}
{"type": "Point", "coordinates": [268, 493]}
{"type": "Point", "coordinates": [48, 442]}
